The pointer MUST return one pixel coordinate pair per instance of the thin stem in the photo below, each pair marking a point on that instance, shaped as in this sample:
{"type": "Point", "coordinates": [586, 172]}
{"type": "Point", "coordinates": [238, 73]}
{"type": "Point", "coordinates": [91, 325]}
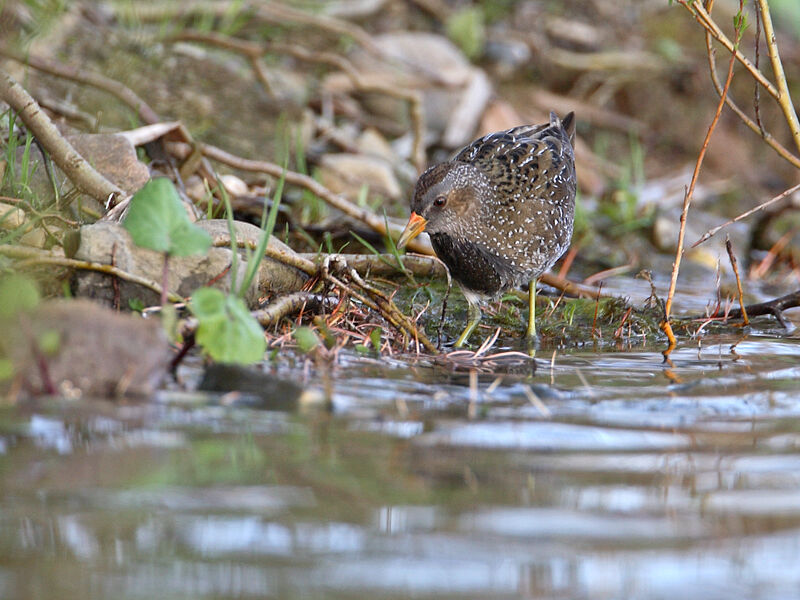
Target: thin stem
{"type": "Point", "coordinates": [687, 199]}
{"type": "Point", "coordinates": [784, 98]}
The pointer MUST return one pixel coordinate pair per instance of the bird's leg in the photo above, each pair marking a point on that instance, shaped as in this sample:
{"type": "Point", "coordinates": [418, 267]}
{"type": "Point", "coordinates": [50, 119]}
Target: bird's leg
{"type": "Point", "coordinates": [531, 333]}
{"type": "Point", "coordinates": [474, 312]}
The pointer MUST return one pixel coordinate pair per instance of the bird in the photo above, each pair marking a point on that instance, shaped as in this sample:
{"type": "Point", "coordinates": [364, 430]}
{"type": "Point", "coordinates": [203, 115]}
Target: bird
{"type": "Point", "coordinates": [501, 212]}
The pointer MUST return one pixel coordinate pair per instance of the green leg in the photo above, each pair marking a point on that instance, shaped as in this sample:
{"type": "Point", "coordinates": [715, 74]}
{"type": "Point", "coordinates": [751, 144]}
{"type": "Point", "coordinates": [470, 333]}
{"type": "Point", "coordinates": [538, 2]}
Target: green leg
{"type": "Point", "coordinates": [531, 333]}
{"type": "Point", "coordinates": [474, 318]}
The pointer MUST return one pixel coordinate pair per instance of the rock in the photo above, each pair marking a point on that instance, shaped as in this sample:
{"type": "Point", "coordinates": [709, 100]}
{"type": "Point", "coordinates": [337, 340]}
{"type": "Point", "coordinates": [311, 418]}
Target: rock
{"type": "Point", "coordinates": [92, 350]}
{"type": "Point", "coordinates": [372, 143]}
{"type": "Point", "coordinates": [498, 116]}
{"type": "Point", "coordinates": [99, 241]}
{"type": "Point", "coordinates": [346, 173]}
{"type": "Point", "coordinates": [109, 153]}
{"type": "Point", "coordinates": [13, 218]}
{"type": "Point", "coordinates": [234, 185]}
{"type": "Point", "coordinates": [454, 92]}
{"type": "Point", "coordinates": [113, 156]}
{"type": "Point", "coordinates": [507, 55]}
{"type": "Point", "coordinates": [467, 112]}
{"type": "Point", "coordinates": [664, 235]}
{"type": "Point", "coordinates": [258, 388]}
{"type": "Point", "coordinates": [274, 277]}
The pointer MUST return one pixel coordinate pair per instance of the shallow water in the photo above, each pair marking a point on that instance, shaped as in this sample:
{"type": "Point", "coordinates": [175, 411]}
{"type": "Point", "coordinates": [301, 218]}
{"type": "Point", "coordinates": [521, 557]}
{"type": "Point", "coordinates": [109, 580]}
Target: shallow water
{"type": "Point", "coordinates": [604, 474]}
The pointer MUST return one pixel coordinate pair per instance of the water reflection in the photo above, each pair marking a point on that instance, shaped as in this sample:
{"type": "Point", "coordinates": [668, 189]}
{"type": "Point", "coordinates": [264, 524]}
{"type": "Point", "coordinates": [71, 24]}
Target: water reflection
{"type": "Point", "coordinates": [629, 486]}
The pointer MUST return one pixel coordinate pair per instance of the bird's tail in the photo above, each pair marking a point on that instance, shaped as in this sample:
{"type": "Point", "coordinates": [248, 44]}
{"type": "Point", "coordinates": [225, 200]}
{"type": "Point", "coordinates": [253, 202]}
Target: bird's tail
{"type": "Point", "coordinates": [567, 123]}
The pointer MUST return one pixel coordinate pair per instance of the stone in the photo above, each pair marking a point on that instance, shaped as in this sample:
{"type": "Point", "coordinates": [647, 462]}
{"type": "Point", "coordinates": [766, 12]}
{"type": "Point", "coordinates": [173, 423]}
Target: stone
{"type": "Point", "coordinates": [454, 92]}
{"type": "Point", "coordinates": [185, 274]}
{"type": "Point", "coordinates": [98, 352]}
{"type": "Point", "coordinates": [346, 173]}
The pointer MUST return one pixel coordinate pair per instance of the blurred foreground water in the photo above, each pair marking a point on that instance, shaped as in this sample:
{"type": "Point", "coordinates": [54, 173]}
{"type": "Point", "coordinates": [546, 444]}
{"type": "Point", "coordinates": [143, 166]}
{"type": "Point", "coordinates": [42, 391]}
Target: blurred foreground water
{"type": "Point", "coordinates": [624, 477]}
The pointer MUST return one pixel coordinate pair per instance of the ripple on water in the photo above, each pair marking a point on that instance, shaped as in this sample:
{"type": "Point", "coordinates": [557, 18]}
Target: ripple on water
{"type": "Point", "coordinates": [550, 436]}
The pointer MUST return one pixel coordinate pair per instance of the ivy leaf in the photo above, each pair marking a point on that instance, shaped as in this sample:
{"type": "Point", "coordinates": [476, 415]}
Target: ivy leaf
{"type": "Point", "coordinates": [226, 330]}
{"type": "Point", "coordinates": [157, 220]}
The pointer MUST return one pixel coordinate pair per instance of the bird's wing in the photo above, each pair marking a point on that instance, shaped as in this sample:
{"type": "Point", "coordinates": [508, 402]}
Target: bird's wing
{"type": "Point", "coordinates": [526, 161]}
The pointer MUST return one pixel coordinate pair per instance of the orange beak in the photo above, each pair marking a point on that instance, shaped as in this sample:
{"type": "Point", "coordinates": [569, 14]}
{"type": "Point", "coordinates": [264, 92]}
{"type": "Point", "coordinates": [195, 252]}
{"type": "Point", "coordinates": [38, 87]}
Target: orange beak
{"type": "Point", "coordinates": [414, 227]}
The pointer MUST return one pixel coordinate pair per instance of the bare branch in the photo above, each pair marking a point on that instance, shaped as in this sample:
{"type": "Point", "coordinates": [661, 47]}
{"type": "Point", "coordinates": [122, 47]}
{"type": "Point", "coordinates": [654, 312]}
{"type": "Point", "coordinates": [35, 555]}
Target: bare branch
{"type": "Point", "coordinates": [79, 171]}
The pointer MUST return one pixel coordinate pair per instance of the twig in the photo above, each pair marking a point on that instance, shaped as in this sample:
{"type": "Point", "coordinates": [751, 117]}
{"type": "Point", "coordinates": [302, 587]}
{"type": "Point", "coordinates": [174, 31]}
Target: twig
{"type": "Point", "coordinates": [337, 201]}
{"type": "Point", "coordinates": [31, 256]}
{"type": "Point", "coordinates": [755, 126]}
{"type": "Point", "coordinates": [784, 98]}
{"type": "Point", "coordinates": [255, 51]}
{"type": "Point", "coordinates": [772, 307]}
{"type": "Point", "coordinates": [80, 172]}
{"type": "Point", "coordinates": [746, 214]}
{"type": "Point", "coordinates": [704, 18]}
{"type": "Point", "coordinates": [735, 266]}
{"type": "Point", "coordinates": [115, 88]}
{"type": "Point", "coordinates": [687, 199]}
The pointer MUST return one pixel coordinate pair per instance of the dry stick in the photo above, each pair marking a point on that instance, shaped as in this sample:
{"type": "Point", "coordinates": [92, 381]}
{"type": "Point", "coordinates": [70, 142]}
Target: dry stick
{"type": "Point", "coordinates": [735, 266]}
{"type": "Point", "coordinates": [773, 307]}
{"type": "Point", "coordinates": [381, 304]}
{"type": "Point", "coordinates": [79, 171]}
{"type": "Point", "coordinates": [254, 51]}
{"type": "Point", "coordinates": [337, 201]}
{"type": "Point", "coordinates": [701, 16]}
{"type": "Point", "coordinates": [106, 84]}
{"type": "Point", "coordinates": [756, 89]}
{"type": "Point", "coordinates": [755, 126]}
{"type": "Point", "coordinates": [784, 98]}
{"type": "Point", "coordinates": [746, 214]}
{"type": "Point", "coordinates": [115, 88]}
{"type": "Point", "coordinates": [687, 200]}
{"type": "Point", "coordinates": [31, 256]}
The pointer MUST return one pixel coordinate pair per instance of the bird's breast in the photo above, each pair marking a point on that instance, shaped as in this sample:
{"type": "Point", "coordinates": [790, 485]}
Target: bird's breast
{"type": "Point", "coordinates": [472, 266]}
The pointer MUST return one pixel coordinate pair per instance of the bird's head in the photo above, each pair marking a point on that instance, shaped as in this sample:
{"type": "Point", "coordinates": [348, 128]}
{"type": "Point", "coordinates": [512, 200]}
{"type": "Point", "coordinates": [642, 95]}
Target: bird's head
{"type": "Point", "coordinates": [445, 198]}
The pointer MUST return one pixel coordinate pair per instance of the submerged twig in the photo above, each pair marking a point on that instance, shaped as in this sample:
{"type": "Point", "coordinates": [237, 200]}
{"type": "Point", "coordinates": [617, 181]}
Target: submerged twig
{"type": "Point", "coordinates": [773, 307]}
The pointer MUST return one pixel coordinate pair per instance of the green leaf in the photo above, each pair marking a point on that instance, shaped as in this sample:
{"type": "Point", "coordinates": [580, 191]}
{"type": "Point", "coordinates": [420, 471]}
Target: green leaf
{"type": "Point", "coordinates": [157, 220]}
{"type": "Point", "coordinates": [17, 294]}
{"type": "Point", "coordinates": [226, 330]}
{"type": "Point", "coordinates": [306, 339]}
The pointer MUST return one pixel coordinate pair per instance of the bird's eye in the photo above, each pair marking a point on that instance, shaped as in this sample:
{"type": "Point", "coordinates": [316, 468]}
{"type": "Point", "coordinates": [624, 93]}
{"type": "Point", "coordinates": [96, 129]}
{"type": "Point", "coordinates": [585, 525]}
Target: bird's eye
{"type": "Point", "coordinates": [439, 201]}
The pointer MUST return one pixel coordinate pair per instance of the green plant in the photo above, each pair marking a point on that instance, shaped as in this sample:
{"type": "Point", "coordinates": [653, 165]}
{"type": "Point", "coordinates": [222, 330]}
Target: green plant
{"type": "Point", "coordinates": [157, 220]}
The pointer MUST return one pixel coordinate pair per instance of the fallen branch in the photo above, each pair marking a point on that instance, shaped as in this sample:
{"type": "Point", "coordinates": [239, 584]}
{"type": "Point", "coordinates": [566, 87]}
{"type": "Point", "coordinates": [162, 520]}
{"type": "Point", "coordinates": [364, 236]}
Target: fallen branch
{"type": "Point", "coordinates": [773, 307]}
{"type": "Point", "coordinates": [32, 256]}
{"type": "Point", "coordinates": [79, 171]}
{"type": "Point", "coordinates": [255, 51]}
{"type": "Point", "coordinates": [337, 201]}
{"type": "Point", "coordinates": [101, 82]}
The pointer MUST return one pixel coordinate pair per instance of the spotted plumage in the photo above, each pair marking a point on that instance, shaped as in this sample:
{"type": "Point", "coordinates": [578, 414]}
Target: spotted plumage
{"type": "Point", "coordinates": [500, 213]}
